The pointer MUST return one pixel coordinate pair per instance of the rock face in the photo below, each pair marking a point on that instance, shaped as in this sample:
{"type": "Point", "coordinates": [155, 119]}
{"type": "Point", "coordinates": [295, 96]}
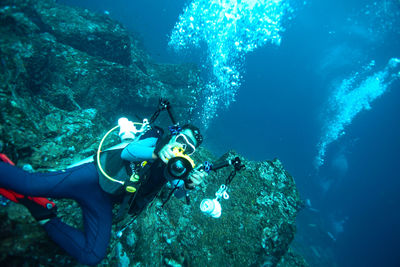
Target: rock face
{"type": "Point", "coordinates": [66, 76]}
{"type": "Point", "coordinates": [55, 60]}
{"type": "Point", "coordinates": [255, 229]}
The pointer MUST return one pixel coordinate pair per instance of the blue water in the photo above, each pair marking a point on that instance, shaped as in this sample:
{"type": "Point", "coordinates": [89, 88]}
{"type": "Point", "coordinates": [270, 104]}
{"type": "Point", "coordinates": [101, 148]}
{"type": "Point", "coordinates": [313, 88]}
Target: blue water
{"type": "Point", "coordinates": [311, 99]}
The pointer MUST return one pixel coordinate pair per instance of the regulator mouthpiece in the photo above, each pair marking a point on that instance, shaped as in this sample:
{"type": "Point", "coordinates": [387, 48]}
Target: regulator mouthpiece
{"type": "Point", "coordinates": [211, 207]}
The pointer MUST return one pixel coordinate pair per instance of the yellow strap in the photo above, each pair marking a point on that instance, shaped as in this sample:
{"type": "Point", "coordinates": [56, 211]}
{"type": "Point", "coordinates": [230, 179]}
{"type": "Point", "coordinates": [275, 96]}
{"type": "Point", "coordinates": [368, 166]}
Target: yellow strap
{"type": "Point", "coordinates": [130, 189]}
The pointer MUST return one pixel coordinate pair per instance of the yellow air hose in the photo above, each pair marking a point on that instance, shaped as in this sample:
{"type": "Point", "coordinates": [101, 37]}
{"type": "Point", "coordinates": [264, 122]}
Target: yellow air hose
{"type": "Point", "coordinates": [99, 151]}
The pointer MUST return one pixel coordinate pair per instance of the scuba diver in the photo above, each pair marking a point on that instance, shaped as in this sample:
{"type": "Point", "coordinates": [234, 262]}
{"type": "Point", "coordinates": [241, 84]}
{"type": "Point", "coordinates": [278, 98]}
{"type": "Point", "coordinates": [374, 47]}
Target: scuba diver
{"type": "Point", "coordinates": [131, 174]}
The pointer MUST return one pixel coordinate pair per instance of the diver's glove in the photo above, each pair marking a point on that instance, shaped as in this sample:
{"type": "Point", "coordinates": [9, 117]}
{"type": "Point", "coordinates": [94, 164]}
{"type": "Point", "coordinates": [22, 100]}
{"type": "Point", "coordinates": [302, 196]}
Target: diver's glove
{"type": "Point", "coordinates": [195, 178]}
{"type": "Point", "coordinates": [166, 152]}
{"type": "Point", "coordinates": [38, 211]}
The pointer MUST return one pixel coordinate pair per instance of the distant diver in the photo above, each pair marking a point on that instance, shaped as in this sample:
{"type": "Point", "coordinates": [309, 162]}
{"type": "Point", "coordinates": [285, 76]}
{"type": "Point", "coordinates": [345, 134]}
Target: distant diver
{"type": "Point", "coordinates": [131, 174]}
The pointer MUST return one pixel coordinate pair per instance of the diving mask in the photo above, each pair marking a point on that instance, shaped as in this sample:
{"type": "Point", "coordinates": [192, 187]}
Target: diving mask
{"type": "Point", "coordinates": [187, 146]}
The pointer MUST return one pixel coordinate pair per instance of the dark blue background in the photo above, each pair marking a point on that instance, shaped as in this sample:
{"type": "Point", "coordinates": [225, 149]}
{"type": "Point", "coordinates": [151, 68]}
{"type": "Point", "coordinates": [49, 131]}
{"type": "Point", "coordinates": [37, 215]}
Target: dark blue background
{"type": "Point", "coordinates": [278, 114]}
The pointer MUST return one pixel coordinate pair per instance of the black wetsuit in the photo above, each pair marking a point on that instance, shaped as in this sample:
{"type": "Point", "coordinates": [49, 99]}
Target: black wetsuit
{"type": "Point", "coordinates": [81, 183]}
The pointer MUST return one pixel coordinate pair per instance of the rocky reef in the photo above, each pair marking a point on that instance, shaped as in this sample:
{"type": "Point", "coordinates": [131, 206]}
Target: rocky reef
{"type": "Point", "coordinates": [256, 227]}
{"type": "Point", "coordinates": [67, 75]}
{"type": "Point", "coordinates": [61, 67]}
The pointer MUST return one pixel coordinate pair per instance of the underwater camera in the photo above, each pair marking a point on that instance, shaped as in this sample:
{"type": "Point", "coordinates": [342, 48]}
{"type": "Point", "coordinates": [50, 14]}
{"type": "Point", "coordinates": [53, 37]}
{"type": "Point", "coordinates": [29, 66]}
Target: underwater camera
{"type": "Point", "coordinates": [180, 165]}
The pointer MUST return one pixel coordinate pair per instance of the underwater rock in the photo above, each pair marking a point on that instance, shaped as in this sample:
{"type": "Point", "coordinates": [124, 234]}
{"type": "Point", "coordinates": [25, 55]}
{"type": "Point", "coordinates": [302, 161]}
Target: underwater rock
{"type": "Point", "coordinates": [256, 227]}
{"type": "Point", "coordinates": [51, 65]}
{"type": "Point", "coordinates": [24, 242]}
{"type": "Point", "coordinates": [94, 34]}
{"type": "Point", "coordinates": [75, 58]}
{"type": "Point", "coordinates": [65, 78]}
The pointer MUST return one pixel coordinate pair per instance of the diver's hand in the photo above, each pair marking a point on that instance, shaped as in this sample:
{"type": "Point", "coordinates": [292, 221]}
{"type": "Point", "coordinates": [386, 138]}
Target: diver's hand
{"type": "Point", "coordinates": [166, 153]}
{"type": "Point", "coordinates": [195, 178]}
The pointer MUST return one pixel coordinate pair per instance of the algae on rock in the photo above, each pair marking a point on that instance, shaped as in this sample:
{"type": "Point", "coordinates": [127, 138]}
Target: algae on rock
{"type": "Point", "coordinates": [66, 75]}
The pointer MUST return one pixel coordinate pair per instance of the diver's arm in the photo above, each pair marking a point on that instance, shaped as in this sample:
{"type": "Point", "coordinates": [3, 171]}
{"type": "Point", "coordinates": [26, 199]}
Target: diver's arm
{"type": "Point", "coordinates": [140, 150]}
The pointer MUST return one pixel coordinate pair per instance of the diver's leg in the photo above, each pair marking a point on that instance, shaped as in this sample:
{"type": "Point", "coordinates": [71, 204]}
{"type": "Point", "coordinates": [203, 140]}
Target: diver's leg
{"type": "Point", "coordinates": [79, 183]}
{"type": "Point", "coordinates": [60, 184]}
{"type": "Point", "coordinates": [88, 247]}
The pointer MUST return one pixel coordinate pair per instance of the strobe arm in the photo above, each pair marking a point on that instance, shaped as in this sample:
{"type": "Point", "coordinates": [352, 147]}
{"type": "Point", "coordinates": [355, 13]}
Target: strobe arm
{"type": "Point", "coordinates": [212, 207]}
{"type": "Point", "coordinates": [171, 114]}
{"type": "Point", "coordinates": [219, 165]}
{"type": "Point", "coordinates": [163, 105]}
{"type": "Point", "coordinates": [236, 163]}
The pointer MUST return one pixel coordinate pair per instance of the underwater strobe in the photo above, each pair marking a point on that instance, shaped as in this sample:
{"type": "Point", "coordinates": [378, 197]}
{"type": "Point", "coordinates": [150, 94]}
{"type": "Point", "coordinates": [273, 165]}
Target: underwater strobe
{"type": "Point", "coordinates": [212, 207]}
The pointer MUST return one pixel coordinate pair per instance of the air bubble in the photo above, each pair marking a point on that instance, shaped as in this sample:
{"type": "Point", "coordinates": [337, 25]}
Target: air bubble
{"type": "Point", "coordinates": [230, 29]}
